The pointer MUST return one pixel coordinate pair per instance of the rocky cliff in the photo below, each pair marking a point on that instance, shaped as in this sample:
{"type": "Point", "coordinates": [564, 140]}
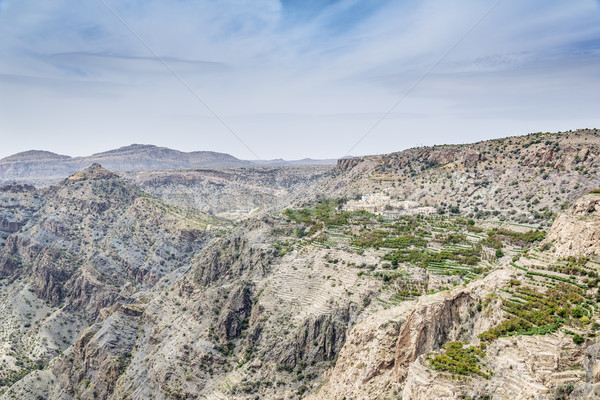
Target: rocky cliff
{"type": "Point", "coordinates": [576, 232]}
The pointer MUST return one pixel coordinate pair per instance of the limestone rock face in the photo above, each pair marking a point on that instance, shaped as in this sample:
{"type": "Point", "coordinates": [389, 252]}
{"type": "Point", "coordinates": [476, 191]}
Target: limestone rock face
{"type": "Point", "coordinates": [428, 327]}
{"type": "Point", "coordinates": [379, 352]}
{"type": "Point", "coordinates": [382, 356]}
{"type": "Point", "coordinates": [365, 365]}
{"type": "Point", "coordinates": [577, 231]}
{"type": "Point", "coordinates": [592, 363]}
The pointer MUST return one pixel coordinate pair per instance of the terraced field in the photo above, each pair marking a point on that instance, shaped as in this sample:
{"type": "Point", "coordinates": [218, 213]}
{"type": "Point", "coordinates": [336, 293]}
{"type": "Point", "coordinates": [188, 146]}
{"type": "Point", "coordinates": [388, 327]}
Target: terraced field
{"type": "Point", "coordinates": [414, 255]}
{"type": "Point", "coordinates": [548, 295]}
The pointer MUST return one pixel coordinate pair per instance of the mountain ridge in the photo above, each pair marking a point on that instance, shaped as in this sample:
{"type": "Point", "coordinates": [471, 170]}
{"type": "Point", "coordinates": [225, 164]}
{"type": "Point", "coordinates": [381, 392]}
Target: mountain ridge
{"type": "Point", "coordinates": [42, 168]}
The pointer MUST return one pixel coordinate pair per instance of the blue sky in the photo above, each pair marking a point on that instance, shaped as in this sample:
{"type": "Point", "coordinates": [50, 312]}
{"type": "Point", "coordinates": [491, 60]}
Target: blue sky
{"type": "Point", "coordinates": [292, 78]}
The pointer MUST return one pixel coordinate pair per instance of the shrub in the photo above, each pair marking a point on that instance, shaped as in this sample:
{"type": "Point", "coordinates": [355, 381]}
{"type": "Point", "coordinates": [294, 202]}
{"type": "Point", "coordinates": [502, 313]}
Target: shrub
{"type": "Point", "coordinates": [578, 339]}
{"type": "Point", "coordinates": [459, 359]}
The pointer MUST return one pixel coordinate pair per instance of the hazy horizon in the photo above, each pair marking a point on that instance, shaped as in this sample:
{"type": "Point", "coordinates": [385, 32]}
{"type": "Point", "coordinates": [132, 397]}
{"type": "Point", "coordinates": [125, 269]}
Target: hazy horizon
{"type": "Point", "coordinates": [134, 144]}
{"type": "Point", "coordinates": [292, 79]}
{"type": "Point", "coordinates": [276, 158]}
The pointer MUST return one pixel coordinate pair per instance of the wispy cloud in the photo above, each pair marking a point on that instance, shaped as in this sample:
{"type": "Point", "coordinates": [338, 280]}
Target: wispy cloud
{"type": "Point", "coordinates": [289, 74]}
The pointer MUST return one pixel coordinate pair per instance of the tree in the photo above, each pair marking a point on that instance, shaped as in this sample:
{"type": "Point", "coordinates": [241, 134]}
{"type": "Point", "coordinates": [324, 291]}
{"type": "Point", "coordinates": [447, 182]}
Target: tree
{"type": "Point", "coordinates": [499, 253]}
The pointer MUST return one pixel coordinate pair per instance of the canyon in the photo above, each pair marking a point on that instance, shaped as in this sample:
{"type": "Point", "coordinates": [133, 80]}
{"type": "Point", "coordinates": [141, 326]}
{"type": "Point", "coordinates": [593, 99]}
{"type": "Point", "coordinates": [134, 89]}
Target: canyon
{"type": "Point", "coordinates": [455, 272]}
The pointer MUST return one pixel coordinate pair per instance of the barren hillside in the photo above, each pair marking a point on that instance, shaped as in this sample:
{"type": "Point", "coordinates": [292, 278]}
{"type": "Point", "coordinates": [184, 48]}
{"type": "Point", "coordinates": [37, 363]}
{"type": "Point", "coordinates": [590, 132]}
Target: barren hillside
{"type": "Point", "coordinates": [467, 271]}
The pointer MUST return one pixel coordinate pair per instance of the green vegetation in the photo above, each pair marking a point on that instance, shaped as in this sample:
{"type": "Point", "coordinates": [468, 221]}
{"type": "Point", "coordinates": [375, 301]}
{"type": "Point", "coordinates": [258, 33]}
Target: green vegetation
{"type": "Point", "coordinates": [531, 236]}
{"type": "Point", "coordinates": [380, 238]}
{"type": "Point", "coordinates": [451, 246]}
{"type": "Point", "coordinates": [535, 313]}
{"type": "Point", "coordinates": [578, 339]}
{"type": "Point", "coordinates": [459, 359]}
{"type": "Point", "coordinates": [554, 277]}
{"type": "Point", "coordinates": [468, 256]}
{"type": "Point", "coordinates": [325, 212]}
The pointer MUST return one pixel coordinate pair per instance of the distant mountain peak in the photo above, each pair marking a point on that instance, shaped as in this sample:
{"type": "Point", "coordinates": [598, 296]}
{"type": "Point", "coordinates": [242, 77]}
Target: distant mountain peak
{"type": "Point", "coordinates": [138, 146]}
{"type": "Point", "coordinates": [95, 171]}
{"type": "Point", "coordinates": [35, 155]}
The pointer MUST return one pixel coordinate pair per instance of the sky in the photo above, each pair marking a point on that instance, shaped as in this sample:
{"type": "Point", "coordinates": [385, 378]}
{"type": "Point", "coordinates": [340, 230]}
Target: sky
{"type": "Point", "coordinates": [293, 78]}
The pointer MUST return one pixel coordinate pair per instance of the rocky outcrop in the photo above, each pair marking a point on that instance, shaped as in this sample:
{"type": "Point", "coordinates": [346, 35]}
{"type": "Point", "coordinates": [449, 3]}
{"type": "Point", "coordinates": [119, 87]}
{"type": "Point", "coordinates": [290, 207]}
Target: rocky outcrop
{"type": "Point", "coordinates": [69, 229]}
{"type": "Point", "coordinates": [49, 269]}
{"type": "Point", "coordinates": [380, 357]}
{"type": "Point", "coordinates": [591, 363]}
{"type": "Point", "coordinates": [346, 164]}
{"type": "Point", "coordinates": [365, 364]}
{"type": "Point", "coordinates": [428, 327]}
{"type": "Point", "coordinates": [319, 338]}
{"type": "Point", "coordinates": [443, 155]}
{"type": "Point", "coordinates": [95, 171]}
{"type": "Point", "coordinates": [16, 188]}
{"type": "Point", "coordinates": [9, 226]}
{"type": "Point", "coordinates": [89, 294]}
{"type": "Point", "coordinates": [576, 232]}
{"type": "Point", "coordinates": [9, 264]}
{"type": "Point", "coordinates": [54, 226]}
{"type": "Point", "coordinates": [228, 258]}
{"type": "Point", "coordinates": [235, 316]}
{"type": "Point", "coordinates": [98, 358]}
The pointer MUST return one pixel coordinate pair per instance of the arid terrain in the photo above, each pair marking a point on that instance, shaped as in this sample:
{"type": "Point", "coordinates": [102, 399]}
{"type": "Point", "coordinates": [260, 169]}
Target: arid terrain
{"type": "Point", "coordinates": [446, 272]}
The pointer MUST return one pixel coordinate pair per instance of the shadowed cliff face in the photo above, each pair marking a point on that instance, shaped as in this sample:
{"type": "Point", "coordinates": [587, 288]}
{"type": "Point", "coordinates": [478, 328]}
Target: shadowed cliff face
{"type": "Point", "coordinates": [318, 339]}
{"type": "Point", "coordinates": [98, 358]}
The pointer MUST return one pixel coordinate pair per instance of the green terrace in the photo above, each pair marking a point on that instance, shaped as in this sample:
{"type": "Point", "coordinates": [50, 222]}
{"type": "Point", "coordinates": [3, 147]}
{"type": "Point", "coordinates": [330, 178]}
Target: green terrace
{"type": "Point", "coordinates": [443, 245]}
{"type": "Point", "coordinates": [458, 358]}
{"type": "Point", "coordinates": [532, 312]}
{"type": "Point", "coordinates": [548, 297]}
